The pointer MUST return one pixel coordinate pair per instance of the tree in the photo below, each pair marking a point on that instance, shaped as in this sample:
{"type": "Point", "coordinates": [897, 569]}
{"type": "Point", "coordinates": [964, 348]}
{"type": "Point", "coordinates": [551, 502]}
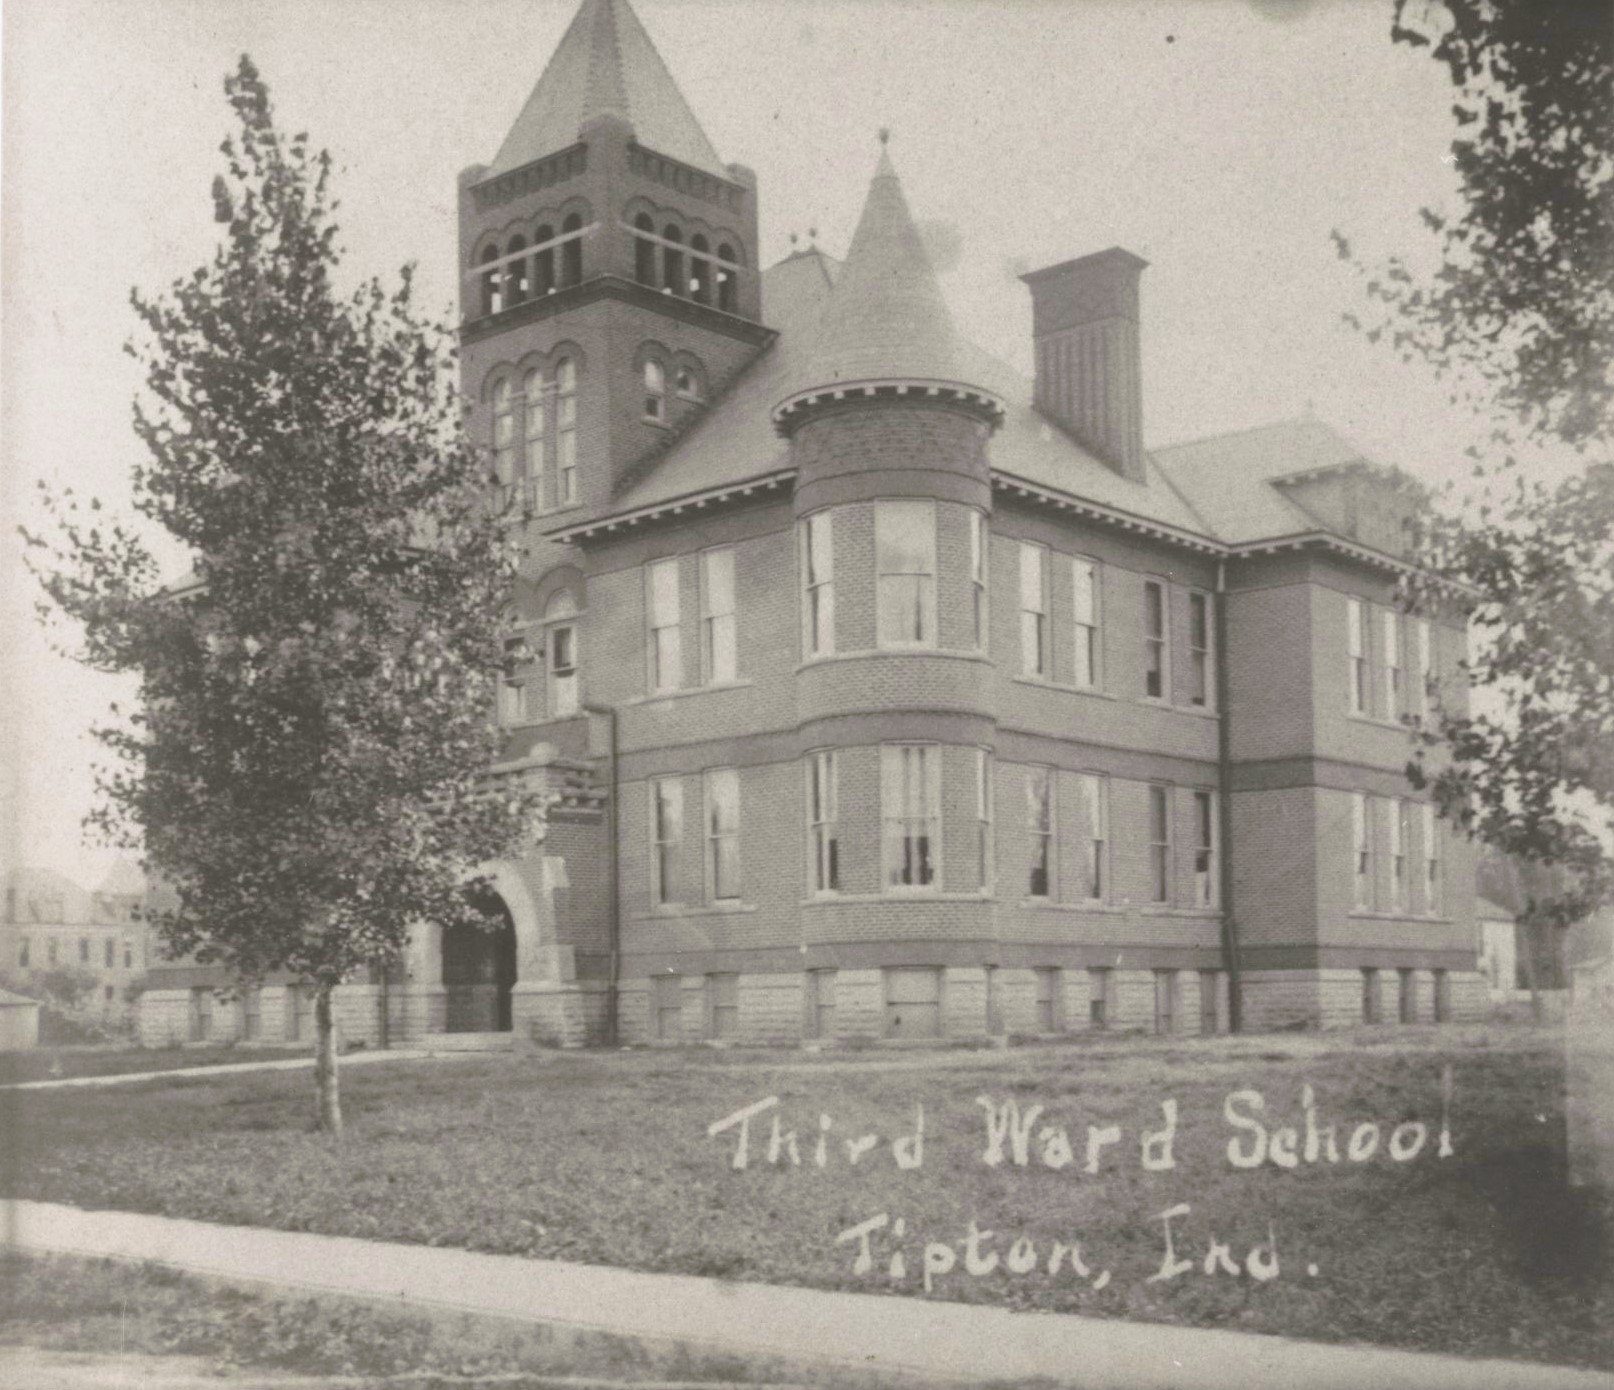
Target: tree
{"type": "Point", "coordinates": [309, 766]}
{"type": "Point", "coordinates": [1519, 321]}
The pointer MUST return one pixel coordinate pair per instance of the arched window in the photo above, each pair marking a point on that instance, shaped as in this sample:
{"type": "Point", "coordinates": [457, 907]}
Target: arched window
{"type": "Point", "coordinates": [543, 261]}
{"type": "Point", "coordinates": [533, 396]}
{"type": "Point", "coordinates": [725, 278]}
{"type": "Point", "coordinates": [672, 261]}
{"type": "Point", "coordinates": [560, 652]}
{"type": "Point", "coordinates": [571, 252]}
{"type": "Point", "coordinates": [566, 431]}
{"type": "Point", "coordinates": [644, 251]}
{"type": "Point", "coordinates": [515, 272]}
{"type": "Point", "coordinates": [700, 270]}
{"type": "Point", "coordinates": [492, 294]}
{"type": "Point", "coordinates": [687, 382]}
{"type": "Point", "coordinates": [655, 391]}
{"type": "Point", "coordinates": [504, 433]}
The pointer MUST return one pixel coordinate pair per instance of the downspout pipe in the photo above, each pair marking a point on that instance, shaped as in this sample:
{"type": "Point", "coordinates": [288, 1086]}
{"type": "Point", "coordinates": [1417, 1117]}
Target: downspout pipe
{"type": "Point", "coordinates": [1224, 779]}
{"type": "Point", "coordinates": [613, 906]}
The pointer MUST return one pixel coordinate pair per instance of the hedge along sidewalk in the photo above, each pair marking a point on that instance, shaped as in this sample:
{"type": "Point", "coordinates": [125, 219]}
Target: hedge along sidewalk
{"type": "Point", "coordinates": [222, 1069]}
{"type": "Point", "coordinates": [872, 1332]}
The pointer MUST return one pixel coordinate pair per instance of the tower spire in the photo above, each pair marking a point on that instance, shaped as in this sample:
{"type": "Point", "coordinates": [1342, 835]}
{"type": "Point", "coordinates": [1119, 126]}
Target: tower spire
{"type": "Point", "coordinates": [605, 65]}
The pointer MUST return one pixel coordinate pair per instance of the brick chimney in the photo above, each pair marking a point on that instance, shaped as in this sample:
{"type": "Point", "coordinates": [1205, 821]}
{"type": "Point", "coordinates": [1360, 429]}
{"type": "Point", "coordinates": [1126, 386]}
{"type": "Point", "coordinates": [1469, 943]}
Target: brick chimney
{"type": "Point", "coordinates": [1084, 323]}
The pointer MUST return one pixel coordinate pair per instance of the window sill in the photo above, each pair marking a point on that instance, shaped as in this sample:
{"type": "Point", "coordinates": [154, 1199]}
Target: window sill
{"type": "Point", "coordinates": [912, 895]}
{"type": "Point", "coordinates": [948, 653]}
{"type": "Point", "coordinates": [673, 913]}
{"type": "Point", "coordinates": [655, 422]}
{"type": "Point", "coordinates": [1377, 722]}
{"type": "Point", "coordinates": [1042, 683]}
{"type": "Point", "coordinates": [1050, 905]}
{"type": "Point", "coordinates": [660, 697]}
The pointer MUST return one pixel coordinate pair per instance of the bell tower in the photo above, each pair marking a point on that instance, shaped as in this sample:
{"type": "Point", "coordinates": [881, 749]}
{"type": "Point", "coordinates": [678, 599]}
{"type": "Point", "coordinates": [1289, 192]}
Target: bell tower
{"type": "Point", "coordinates": [608, 272]}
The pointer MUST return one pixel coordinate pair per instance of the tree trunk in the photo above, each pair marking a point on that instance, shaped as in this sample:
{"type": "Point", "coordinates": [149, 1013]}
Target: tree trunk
{"type": "Point", "coordinates": [325, 1084]}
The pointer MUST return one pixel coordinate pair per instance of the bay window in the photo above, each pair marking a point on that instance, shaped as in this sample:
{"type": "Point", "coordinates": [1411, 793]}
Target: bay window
{"type": "Point", "coordinates": [818, 585]}
{"type": "Point", "coordinates": [1033, 609]}
{"type": "Point", "coordinates": [665, 640]}
{"type": "Point", "coordinates": [1084, 587]}
{"type": "Point", "coordinates": [723, 834]}
{"type": "Point", "coordinates": [910, 811]}
{"type": "Point", "coordinates": [905, 551]}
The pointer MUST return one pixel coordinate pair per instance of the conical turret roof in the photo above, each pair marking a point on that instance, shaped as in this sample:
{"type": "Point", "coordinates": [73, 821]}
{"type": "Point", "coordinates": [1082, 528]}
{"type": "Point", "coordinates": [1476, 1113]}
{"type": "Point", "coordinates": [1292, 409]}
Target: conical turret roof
{"type": "Point", "coordinates": [606, 65]}
{"type": "Point", "coordinates": [887, 318]}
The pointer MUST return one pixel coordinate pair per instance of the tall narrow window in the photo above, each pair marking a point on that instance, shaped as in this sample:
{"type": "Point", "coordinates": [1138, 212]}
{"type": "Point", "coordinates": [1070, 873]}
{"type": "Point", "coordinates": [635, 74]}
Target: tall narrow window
{"type": "Point", "coordinates": [1392, 664]}
{"type": "Point", "coordinates": [1204, 850]}
{"type": "Point", "coordinates": [566, 429]}
{"type": "Point", "coordinates": [1371, 1006]}
{"type": "Point", "coordinates": [823, 823]}
{"type": "Point", "coordinates": [1201, 673]}
{"type": "Point", "coordinates": [1033, 610]}
{"type": "Point", "coordinates": [1040, 831]}
{"type": "Point", "coordinates": [1398, 855]}
{"type": "Point", "coordinates": [492, 282]}
{"type": "Point", "coordinates": [1084, 590]}
{"type": "Point", "coordinates": [986, 848]}
{"type": "Point", "coordinates": [513, 705]}
{"type": "Point", "coordinates": [700, 270]}
{"type": "Point", "coordinates": [1046, 997]}
{"type": "Point", "coordinates": [1098, 996]}
{"type": "Point", "coordinates": [644, 250]}
{"type": "Point", "coordinates": [84, 950]}
{"type": "Point", "coordinates": [1154, 639]}
{"type": "Point", "coordinates": [655, 391]}
{"type": "Point", "coordinates": [515, 272]}
{"type": "Point", "coordinates": [1160, 844]}
{"type": "Point", "coordinates": [723, 834]}
{"type": "Point", "coordinates": [110, 948]}
{"type": "Point", "coordinates": [1093, 807]}
{"type": "Point", "coordinates": [723, 1001]}
{"type": "Point", "coordinates": [672, 260]}
{"type": "Point", "coordinates": [905, 547]}
{"type": "Point", "coordinates": [978, 563]}
{"type": "Point", "coordinates": [725, 278]}
{"type": "Point", "coordinates": [571, 251]}
{"type": "Point", "coordinates": [1356, 636]}
{"type": "Point", "coordinates": [1426, 668]}
{"type": "Point", "coordinates": [1165, 1002]}
{"type": "Point", "coordinates": [910, 809]}
{"type": "Point", "coordinates": [667, 836]}
{"type": "Point", "coordinates": [24, 953]}
{"type": "Point", "coordinates": [1362, 850]}
{"type": "Point", "coordinates": [504, 433]}
{"type": "Point", "coordinates": [818, 581]}
{"type": "Point", "coordinates": [562, 653]}
{"type": "Point", "coordinates": [532, 396]}
{"type": "Point", "coordinates": [717, 616]}
{"type": "Point", "coordinates": [1433, 898]}
{"type": "Point", "coordinates": [543, 261]}
{"type": "Point", "coordinates": [666, 641]}
{"type": "Point", "coordinates": [128, 954]}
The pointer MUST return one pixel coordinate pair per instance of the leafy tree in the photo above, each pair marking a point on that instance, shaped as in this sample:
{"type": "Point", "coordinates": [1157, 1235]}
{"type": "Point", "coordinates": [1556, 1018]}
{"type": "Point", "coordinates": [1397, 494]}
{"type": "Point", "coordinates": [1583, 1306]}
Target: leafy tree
{"type": "Point", "coordinates": [309, 767]}
{"type": "Point", "coordinates": [1519, 321]}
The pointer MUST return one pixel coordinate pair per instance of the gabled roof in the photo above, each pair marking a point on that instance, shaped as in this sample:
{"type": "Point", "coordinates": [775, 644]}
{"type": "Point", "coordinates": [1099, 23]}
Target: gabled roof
{"type": "Point", "coordinates": [606, 65]}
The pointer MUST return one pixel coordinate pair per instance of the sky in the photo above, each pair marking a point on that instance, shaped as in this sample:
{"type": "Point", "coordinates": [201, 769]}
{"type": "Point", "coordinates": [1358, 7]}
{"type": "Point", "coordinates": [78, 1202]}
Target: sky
{"type": "Point", "coordinates": [1222, 140]}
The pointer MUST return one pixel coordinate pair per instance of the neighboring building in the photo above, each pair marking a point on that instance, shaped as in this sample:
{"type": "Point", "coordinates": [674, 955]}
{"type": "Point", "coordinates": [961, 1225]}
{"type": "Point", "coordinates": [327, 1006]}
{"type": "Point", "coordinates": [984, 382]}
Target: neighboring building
{"type": "Point", "coordinates": [51, 924]}
{"type": "Point", "coordinates": [891, 694]}
{"type": "Point", "coordinates": [19, 1022]}
{"type": "Point", "coordinates": [1501, 959]}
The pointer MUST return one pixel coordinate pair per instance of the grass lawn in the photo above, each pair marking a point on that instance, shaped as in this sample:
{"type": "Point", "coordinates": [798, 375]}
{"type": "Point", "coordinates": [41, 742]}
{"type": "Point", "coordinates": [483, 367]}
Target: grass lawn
{"type": "Point", "coordinates": [50, 1063]}
{"type": "Point", "coordinates": [55, 1304]}
{"type": "Point", "coordinates": [606, 1158]}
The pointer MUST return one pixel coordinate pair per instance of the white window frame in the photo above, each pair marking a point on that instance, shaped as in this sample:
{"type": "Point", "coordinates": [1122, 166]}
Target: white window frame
{"type": "Point", "coordinates": [1434, 888]}
{"type": "Point", "coordinates": [916, 768]}
{"type": "Point", "coordinates": [1035, 658]}
{"type": "Point", "coordinates": [655, 391]}
{"type": "Point", "coordinates": [1207, 848]}
{"type": "Point", "coordinates": [1362, 886]}
{"type": "Point", "coordinates": [818, 585]}
{"type": "Point", "coordinates": [1086, 610]}
{"type": "Point", "coordinates": [1356, 672]}
{"type": "Point", "coordinates": [1041, 825]}
{"type": "Point", "coordinates": [1399, 827]}
{"type": "Point", "coordinates": [565, 698]}
{"type": "Point", "coordinates": [659, 656]}
{"type": "Point", "coordinates": [666, 841]}
{"type": "Point", "coordinates": [1157, 644]}
{"type": "Point", "coordinates": [980, 570]}
{"type": "Point", "coordinates": [985, 839]}
{"type": "Point", "coordinates": [823, 824]}
{"type": "Point", "coordinates": [717, 620]}
{"type": "Point", "coordinates": [566, 431]}
{"type": "Point", "coordinates": [1202, 654]}
{"type": "Point", "coordinates": [1393, 680]}
{"type": "Point", "coordinates": [1160, 844]}
{"type": "Point", "coordinates": [922, 581]}
{"type": "Point", "coordinates": [534, 441]}
{"type": "Point", "coordinates": [719, 833]}
{"type": "Point", "coordinates": [1424, 641]}
{"type": "Point", "coordinates": [1093, 795]}
{"type": "Point", "coordinates": [504, 432]}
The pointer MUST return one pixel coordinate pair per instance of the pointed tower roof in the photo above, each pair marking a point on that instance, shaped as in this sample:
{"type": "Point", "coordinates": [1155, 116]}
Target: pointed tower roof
{"type": "Point", "coordinates": [606, 65]}
{"type": "Point", "coordinates": [886, 320]}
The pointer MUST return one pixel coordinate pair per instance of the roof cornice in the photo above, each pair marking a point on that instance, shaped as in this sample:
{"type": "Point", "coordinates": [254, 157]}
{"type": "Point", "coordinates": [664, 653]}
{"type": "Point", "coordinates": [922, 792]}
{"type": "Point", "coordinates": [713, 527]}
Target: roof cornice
{"type": "Point", "coordinates": [976, 400]}
{"type": "Point", "coordinates": [673, 506]}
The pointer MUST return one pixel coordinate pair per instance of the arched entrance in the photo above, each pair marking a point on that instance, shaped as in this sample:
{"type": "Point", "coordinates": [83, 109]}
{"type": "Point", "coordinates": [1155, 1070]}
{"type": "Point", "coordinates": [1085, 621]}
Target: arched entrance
{"type": "Point", "coordinates": [479, 970]}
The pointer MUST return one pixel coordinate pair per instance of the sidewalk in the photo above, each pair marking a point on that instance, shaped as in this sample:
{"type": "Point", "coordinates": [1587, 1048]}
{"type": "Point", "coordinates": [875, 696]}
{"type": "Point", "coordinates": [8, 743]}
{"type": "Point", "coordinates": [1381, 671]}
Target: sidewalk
{"type": "Point", "coordinates": [349, 1059]}
{"type": "Point", "coordinates": [872, 1332]}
